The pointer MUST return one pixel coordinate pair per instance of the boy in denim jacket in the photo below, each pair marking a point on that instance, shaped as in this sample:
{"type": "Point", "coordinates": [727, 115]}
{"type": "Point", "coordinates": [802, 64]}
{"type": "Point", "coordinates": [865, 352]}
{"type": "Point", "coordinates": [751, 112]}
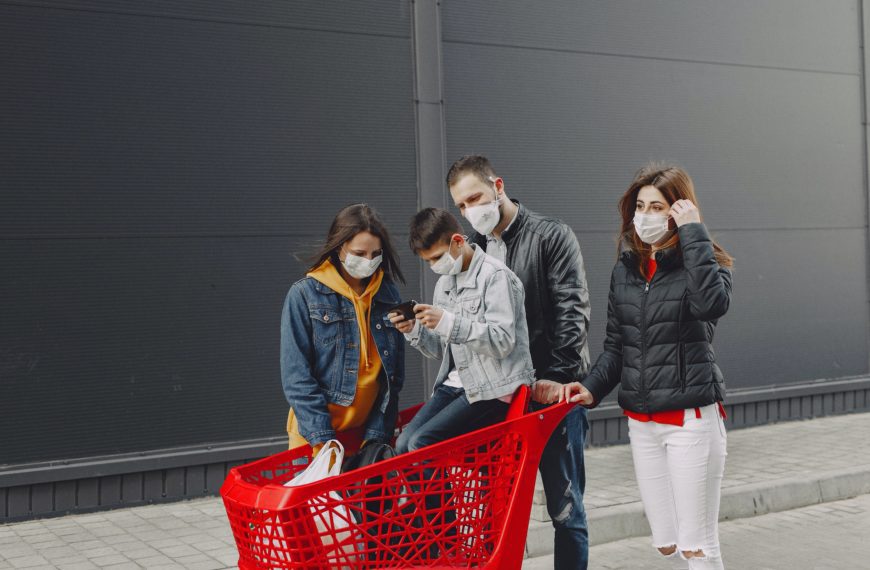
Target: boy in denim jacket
{"type": "Point", "coordinates": [476, 326]}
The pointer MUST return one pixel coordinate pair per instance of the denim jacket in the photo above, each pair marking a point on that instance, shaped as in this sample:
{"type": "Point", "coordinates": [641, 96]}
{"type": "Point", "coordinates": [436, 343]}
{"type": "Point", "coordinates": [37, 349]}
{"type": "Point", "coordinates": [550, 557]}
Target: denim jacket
{"type": "Point", "coordinates": [489, 341]}
{"type": "Point", "coordinates": [320, 351]}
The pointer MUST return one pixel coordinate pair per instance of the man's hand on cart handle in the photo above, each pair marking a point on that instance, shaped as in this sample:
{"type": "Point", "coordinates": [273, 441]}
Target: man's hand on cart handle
{"type": "Point", "coordinates": [546, 391]}
{"type": "Point", "coordinates": [576, 392]}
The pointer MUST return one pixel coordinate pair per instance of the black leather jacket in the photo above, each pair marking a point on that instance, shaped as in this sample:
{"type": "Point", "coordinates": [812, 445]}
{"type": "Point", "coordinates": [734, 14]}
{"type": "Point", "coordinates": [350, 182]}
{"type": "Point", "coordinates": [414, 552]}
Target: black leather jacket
{"type": "Point", "coordinates": [658, 347]}
{"type": "Point", "coordinates": [545, 255]}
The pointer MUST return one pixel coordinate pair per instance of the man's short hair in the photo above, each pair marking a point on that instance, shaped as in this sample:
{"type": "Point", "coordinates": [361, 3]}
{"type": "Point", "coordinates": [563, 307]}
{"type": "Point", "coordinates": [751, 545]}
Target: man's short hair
{"type": "Point", "coordinates": [471, 164]}
{"type": "Point", "coordinates": [431, 226]}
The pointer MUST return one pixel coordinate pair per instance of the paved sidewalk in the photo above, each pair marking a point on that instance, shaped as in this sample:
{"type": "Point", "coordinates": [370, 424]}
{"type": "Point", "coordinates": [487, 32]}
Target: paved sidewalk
{"type": "Point", "coordinates": [769, 468]}
{"type": "Point", "coordinates": [829, 536]}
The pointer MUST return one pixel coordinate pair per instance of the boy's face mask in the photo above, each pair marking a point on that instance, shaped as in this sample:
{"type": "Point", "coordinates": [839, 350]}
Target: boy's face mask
{"type": "Point", "coordinates": [447, 264]}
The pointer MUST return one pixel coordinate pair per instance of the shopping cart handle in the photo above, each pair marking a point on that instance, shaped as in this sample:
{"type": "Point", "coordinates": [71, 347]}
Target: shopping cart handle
{"type": "Point", "coordinates": [520, 404]}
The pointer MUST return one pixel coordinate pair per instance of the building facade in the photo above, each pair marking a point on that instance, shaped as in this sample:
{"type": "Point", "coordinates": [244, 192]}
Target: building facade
{"type": "Point", "coordinates": [166, 168]}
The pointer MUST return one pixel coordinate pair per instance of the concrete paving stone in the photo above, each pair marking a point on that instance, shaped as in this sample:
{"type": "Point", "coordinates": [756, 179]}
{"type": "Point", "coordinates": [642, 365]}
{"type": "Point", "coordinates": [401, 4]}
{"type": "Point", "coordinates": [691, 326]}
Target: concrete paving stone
{"type": "Point", "coordinates": [87, 544]}
{"type": "Point", "coordinates": [28, 525]}
{"type": "Point", "coordinates": [207, 545]}
{"type": "Point", "coordinates": [18, 550]}
{"type": "Point", "coordinates": [103, 532]}
{"type": "Point", "coordinates": [87, 565]}
{"type": "Point", "coordinates": [230, 559]}
{"type": "Point", "coordinates": [188, 560]}
{"type": "Point", "coordinates": [140, 550]}
{"type": "Point", "coordinates": [151, 535]}
{"type": "Point", "coordinates": [90, 518]}
{"type": "Point", "coordinates": [59, 552]}
{"type": "Point", "coordinates": [154, 561]}
{"type": "Point", "coordinates": [178, 551]}
{"type": "Point", "coordinates": [81, 536]}
{"type": "Point", "coordinates": [103, 561]}
{"type": "Point", "coordinates": [165, 543]}
{"type": "Point", "coordinates": [68, 530]}
{"type": "Point", "coordinates": [159, 563]}
{"type": "Point", "coordinates": [120, 539]}
{"type": "Point", "coordinates": [29, 562]}
{"type": "Point", "coordinates": [206, 524]}
{"type": "Point", "coordinates": [47, 540]}
{"type": "Point", "coordinates": [123, 566]}
{"type": "Point", "coordinates": [167, 519]}
{"type": "Point", "coordinates": [206, 565]}
{"type": "Point", "coordinates": [150, 512]}
{"type": "Point", "coordinates": [103, 550]}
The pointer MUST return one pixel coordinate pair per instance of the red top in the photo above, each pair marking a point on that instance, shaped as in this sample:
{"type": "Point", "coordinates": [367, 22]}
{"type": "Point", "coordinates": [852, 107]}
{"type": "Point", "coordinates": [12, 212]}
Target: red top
{"type": "Point", "coordinates": [670, 417]}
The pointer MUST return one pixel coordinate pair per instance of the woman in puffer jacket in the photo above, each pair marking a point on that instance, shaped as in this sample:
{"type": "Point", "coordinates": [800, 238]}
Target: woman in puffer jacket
{"type": "Point", "coordinates": [670, 286]}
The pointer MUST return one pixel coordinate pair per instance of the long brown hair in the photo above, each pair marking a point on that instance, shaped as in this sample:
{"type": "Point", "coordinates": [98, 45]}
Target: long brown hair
{"type": "Point", "coordinates": [675, 184]}
{"type": "Point", "coordinates": [350, 221]}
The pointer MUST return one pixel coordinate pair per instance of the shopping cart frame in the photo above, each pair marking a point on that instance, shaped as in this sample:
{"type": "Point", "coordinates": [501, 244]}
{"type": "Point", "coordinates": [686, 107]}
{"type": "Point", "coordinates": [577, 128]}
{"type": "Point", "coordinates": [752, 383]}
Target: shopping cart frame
{"type": "Point", "coordinates": [258, 487]}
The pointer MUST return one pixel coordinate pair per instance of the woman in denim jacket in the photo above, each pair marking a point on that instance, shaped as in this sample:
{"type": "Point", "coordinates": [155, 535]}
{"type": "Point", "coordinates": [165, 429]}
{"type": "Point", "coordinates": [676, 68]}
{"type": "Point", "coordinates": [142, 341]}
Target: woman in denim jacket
{"type": "Point", "coordinates": [342, 360]}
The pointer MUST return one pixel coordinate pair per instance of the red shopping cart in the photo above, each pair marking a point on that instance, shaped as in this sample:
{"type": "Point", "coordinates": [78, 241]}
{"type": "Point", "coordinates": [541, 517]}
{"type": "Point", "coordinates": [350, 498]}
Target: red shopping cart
{"type": "Point", "coordinates": [462, 503]}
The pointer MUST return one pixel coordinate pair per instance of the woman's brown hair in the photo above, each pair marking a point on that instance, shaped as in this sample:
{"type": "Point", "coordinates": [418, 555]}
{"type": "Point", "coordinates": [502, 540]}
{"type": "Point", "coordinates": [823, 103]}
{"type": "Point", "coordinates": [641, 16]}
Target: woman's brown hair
{"type": "Point", "coordinates": [675, 184]}
{"type": "Point", "coordinates": [350, 221]}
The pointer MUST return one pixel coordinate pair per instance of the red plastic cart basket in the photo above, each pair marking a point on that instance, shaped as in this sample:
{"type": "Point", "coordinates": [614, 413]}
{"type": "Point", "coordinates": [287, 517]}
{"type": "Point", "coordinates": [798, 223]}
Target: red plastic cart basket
{"type": "Point", "coordinates": [462, 503]}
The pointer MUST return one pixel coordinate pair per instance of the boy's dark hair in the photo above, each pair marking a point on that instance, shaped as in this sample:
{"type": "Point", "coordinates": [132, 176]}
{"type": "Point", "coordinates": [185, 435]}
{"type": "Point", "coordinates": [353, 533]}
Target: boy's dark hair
{"type": "Point", "coordinates": [431, 226]}
{"type": "Point", "coordinates": [471, 164]}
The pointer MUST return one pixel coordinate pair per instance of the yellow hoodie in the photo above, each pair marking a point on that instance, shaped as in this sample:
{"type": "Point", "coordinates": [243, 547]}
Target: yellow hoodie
{"type": "Point", "coordinates": [355, 415]}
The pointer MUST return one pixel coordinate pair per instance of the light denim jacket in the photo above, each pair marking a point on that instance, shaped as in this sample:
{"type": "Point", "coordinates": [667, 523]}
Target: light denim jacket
{"type": "Point", "coordinates": [320, 346]}
{"type": "Point", "coordinates": [490, 339]}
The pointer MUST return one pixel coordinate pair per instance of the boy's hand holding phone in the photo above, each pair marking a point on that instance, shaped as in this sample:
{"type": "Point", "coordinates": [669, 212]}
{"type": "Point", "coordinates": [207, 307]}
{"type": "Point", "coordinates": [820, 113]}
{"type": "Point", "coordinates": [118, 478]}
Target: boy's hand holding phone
{"type": "Point", "coordinates": [428, 315]}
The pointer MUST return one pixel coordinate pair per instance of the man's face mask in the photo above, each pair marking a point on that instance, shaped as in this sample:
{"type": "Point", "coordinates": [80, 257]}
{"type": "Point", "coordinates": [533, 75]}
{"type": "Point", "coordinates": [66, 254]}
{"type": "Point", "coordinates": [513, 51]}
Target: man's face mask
{"type": "Point", "coordinates": [484, 218]}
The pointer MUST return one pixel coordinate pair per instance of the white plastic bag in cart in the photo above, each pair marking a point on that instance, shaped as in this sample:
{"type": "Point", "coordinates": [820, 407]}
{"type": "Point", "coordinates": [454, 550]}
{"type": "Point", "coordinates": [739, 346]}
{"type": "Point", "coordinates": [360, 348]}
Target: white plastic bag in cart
{"type": "Point", "coordinates": [330, 515]}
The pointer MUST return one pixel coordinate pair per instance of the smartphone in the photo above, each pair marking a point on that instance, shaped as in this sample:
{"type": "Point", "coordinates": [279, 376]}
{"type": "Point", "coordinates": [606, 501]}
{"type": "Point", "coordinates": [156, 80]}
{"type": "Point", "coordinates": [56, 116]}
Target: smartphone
{"type": "Point", "coordinates": [406, 308]}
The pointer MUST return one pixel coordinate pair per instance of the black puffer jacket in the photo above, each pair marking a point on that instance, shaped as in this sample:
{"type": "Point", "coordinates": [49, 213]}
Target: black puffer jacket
{"type": "Point", "coordinates": [658, 343]}
{"type": "Point", "coordinates": [545, 255]}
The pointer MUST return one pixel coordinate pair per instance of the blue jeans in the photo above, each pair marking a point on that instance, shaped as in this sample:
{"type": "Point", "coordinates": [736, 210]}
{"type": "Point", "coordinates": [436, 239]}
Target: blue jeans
{"type": "Point", "coordinates": [563, 474]}
{"type": "Point", "coordinates": [448, 414]}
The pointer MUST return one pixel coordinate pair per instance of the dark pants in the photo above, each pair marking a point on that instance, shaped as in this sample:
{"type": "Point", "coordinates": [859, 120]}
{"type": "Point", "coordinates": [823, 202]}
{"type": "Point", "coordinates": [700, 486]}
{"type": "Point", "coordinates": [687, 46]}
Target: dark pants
{"type": "Point", "coordinates": [448, 414]}
{"type": "Point", "coordinates": [564, 476]}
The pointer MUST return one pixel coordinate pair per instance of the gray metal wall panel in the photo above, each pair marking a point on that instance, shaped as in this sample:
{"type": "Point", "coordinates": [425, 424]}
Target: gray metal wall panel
{"type": "Point", "coordinates": [796, 34]}
{"type": "Point", "coordinates": [164, 178]}
{"type": "Point", "coordinates": [799, 309]}
{"type": "Point", "coordinates": [129, 345]}
{"type": "Point", "coordinates": [385, 17]}
{"type": "Point", "coordinates": [125, 125]}
{"type": "Point", "coordinates": [776, 155]}
{"type": "Point", "coordinates": [768, 148]}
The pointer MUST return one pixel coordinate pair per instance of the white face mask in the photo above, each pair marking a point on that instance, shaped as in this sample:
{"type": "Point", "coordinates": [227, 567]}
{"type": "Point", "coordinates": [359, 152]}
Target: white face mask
{"type": "Point", "coordinates": [651, 228]}
{"type": "Point", "coordinates": [359, 267]}
{"type": "Point", "coordinates": [447, 265]}
{"type": "Point", "coordinates": [484, 218]}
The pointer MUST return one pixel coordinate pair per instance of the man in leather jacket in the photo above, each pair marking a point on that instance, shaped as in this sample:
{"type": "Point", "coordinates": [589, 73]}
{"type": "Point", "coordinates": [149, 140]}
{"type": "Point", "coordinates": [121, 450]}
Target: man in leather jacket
{"type": "Point", "coordinates": [545, 255]}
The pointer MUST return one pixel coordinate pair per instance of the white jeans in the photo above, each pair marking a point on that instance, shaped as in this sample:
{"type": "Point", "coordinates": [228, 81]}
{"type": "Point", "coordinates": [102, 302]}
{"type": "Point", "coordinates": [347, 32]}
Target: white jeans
{"type": "Point", "coordinates": [679, 473]}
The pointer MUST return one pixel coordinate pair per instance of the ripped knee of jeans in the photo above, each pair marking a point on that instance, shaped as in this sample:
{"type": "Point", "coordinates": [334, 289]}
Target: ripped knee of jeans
{"type": "Point", "coordinates": [698, 554]}
{"type": "Point", "coordinates": [566, 506]}
{"type": "Point", "coordinates": [668, 551]}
